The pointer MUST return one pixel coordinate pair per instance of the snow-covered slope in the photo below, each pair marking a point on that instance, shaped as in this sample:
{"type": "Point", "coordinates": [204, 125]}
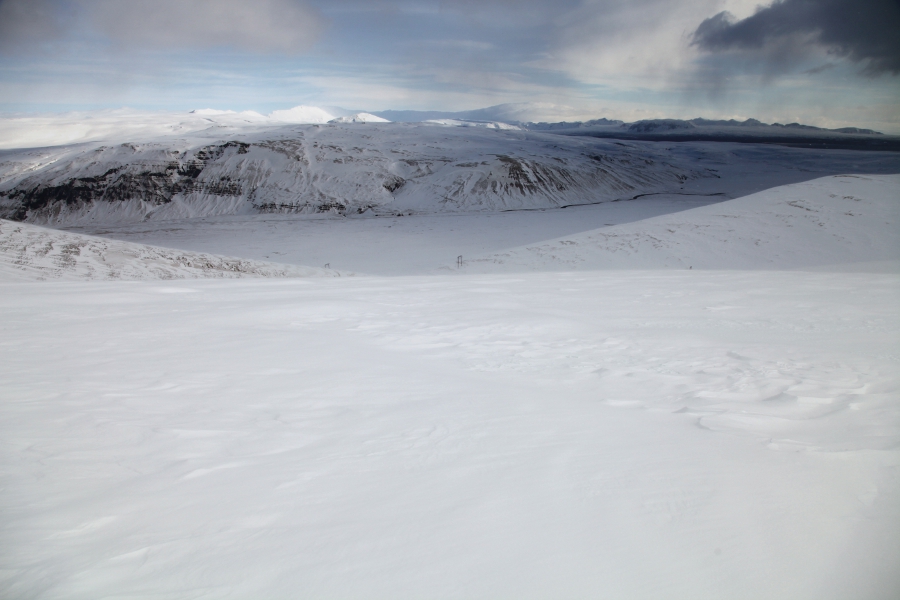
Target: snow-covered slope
{"type": "Point", "coordinates": [362, 117]}
{"type": "Point", "coordinates": [642, 435]}
{"type": "Point", "coordinates": [383, 169]}
{"type": "Point", "coordinates": [30, 253]}
{"type": "Point", "coordinates": [302, 114]}
{"type": "Point", "coordinates": [482, 124]}
{"type": "Point", "coordinates": [128, 125]}
{"type": "Point", "coordinates": [839, 220]}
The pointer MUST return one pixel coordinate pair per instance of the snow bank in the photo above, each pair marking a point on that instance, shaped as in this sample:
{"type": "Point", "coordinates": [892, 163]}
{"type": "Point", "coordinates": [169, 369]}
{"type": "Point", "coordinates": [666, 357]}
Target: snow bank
{"type": "Point", "coordinates": [29, 253]}
{"type": "Point", "coordinates": [839, 220]}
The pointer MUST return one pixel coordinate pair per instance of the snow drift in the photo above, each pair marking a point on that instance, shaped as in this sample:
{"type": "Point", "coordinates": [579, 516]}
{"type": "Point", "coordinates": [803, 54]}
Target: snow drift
{"type": "Point", "coordinates": [839, 220]}
{"type": "Point", "coordinates": [29, 253]}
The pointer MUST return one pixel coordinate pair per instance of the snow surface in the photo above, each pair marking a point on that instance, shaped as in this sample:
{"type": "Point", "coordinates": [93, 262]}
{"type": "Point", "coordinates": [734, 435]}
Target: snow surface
{"type": "Point", "coordinates": [627, 428]}
{"type": "Point", "coordinates": [129, 125]}
{"type": "Point", "coordinates": [482, 124]}
{"type": "Point", "coordinates": [362, 117]}
{"type": "Point", "coordinates": [408, 245]}
{"type": "Point", "coordinates": [842, 220]}
{"type": "Point", "coordinates": [689, 434]}
{"type": "Point", "coordinates": [30, 253]}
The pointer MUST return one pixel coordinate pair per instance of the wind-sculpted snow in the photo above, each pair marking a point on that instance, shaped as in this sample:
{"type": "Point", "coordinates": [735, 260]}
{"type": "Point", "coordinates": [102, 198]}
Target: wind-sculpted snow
{"type": "Point", "coordinates": [342, 169]}
{"type": "Point", "coordinates": [832, 221]}
{"type": "Point", "coordinates": [688, 435]}
{"type": "Point", "coordinates": [29, 253]}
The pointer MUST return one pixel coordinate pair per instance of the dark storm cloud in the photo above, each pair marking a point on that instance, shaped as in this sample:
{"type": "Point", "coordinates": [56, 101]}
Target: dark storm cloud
{"type": "Point", "coordinates": [864, 31]}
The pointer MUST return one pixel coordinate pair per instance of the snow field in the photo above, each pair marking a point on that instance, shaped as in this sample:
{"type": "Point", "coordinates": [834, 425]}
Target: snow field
{"type": "Point", "coordinates": [409, 245]}
{"type": "Point", "coordinates": [832, 222]}
{"type": "Point", "coordinates": [622, 434]}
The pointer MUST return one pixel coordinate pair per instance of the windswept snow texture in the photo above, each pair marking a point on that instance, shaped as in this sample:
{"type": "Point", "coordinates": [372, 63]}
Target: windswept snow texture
{"type": "Point", "coordinates": [688, 434]}
{"type": "Point", "coordinates": [844, 220]}
{"type": "Point", "coordinates": [29, 253]}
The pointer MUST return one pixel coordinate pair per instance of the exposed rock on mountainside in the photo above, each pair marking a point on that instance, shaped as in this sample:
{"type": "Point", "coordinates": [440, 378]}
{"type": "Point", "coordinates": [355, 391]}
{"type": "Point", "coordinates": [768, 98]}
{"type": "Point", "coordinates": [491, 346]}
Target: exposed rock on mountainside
{"type": "Point", "coordinates": [384, 168]}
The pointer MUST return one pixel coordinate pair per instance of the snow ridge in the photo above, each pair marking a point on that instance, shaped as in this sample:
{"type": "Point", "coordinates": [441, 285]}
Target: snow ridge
{"type": "Point", "coordinates": [838, 220]}
{"type": "Point", "coordinates": [30, 253]}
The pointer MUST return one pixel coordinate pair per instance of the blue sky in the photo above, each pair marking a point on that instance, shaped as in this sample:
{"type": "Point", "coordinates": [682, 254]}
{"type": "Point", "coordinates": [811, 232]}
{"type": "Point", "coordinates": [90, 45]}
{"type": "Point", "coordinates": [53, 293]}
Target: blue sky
{"type": "Point", "coordinates": [814, 61]}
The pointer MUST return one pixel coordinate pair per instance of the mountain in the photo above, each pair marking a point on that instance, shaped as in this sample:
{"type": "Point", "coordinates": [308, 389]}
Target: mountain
{"type": "Point", "coordinates": [384, 168]}
{"type": "Point", "coordinates": [517, 112]}
{"type": "Point", "coordinates": [705, 130]}
{"type": "Point", "coordinates": [362, 117]}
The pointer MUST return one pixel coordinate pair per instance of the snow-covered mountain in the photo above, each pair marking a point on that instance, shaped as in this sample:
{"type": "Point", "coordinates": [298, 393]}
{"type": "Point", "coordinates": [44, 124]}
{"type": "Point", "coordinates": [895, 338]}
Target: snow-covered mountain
{"type": "Point", "coordinates": [383, 168]}
{"type": "Point", "coordinates": [747, 131]}
{"type": "Point", "coordinates": [362, 117]}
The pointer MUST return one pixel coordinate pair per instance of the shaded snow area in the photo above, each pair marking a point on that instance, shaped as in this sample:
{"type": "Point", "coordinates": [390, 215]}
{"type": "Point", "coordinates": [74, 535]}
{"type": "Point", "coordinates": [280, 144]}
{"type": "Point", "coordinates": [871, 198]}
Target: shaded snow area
{"type": "Point", "coordinates": [408, 245]}
{"type": "Point", "coordinates": [843, 220]}
{"type": "Point", "coordinates": [29, 253]}
{"type": "Point", "coordinates": [689, 434]}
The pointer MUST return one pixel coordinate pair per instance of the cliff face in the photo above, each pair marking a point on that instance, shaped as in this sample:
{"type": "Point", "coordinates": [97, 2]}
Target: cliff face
{"type": "Point", "coordinates": [343, 169]}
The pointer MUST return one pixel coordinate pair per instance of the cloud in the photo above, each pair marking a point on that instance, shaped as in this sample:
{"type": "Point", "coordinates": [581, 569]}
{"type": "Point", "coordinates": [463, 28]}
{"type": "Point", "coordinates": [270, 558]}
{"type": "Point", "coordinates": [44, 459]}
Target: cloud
{"type": "Point", "coordinates": [863, 31]}
{"type": "Point", "coordinates": [631, 44]}
{"type": "Point", "coordinates": [24, 23]}
{"type": "Point", "coordinates": [260, 26]}
{"type": "Point", "coordinates": [265, 26]}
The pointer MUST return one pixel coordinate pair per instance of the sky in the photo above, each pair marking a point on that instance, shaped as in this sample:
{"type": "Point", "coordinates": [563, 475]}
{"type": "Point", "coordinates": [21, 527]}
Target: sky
{"type": "Point", "coordinates": [831, 63]}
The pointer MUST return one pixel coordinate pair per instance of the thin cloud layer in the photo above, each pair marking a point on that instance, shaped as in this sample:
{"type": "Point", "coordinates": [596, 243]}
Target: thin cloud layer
{"type": "Point", "coordinates": [283, 26]}
{"type": "Point", "coordinates": [643, 58]}
{"type": "Point", "coordinates": [863, 31]}
{"type": "Point", "coordinates": [25, 23]}
{"type": "Point", "coordinates": [263, 26]}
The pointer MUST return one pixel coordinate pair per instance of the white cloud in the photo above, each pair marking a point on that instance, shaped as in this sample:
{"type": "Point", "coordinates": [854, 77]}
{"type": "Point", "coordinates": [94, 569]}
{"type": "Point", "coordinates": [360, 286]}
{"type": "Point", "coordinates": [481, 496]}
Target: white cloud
{"type": "Point", "coordinates": [630, 43]}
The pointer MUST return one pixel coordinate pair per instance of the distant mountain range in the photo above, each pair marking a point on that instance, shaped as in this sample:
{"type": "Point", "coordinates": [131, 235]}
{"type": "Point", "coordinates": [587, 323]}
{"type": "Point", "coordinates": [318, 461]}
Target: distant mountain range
{"type": "Point", "coordinates": [124, 125]}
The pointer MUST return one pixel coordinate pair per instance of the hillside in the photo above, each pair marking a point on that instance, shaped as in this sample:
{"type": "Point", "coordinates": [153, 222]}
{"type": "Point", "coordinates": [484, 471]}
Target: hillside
{"type": "Point", "coordinates": [384, 169]}
{"type": "Point", "coordinates": [30, 253]}
{"type": "Point", "coordinates": [838, 220]}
